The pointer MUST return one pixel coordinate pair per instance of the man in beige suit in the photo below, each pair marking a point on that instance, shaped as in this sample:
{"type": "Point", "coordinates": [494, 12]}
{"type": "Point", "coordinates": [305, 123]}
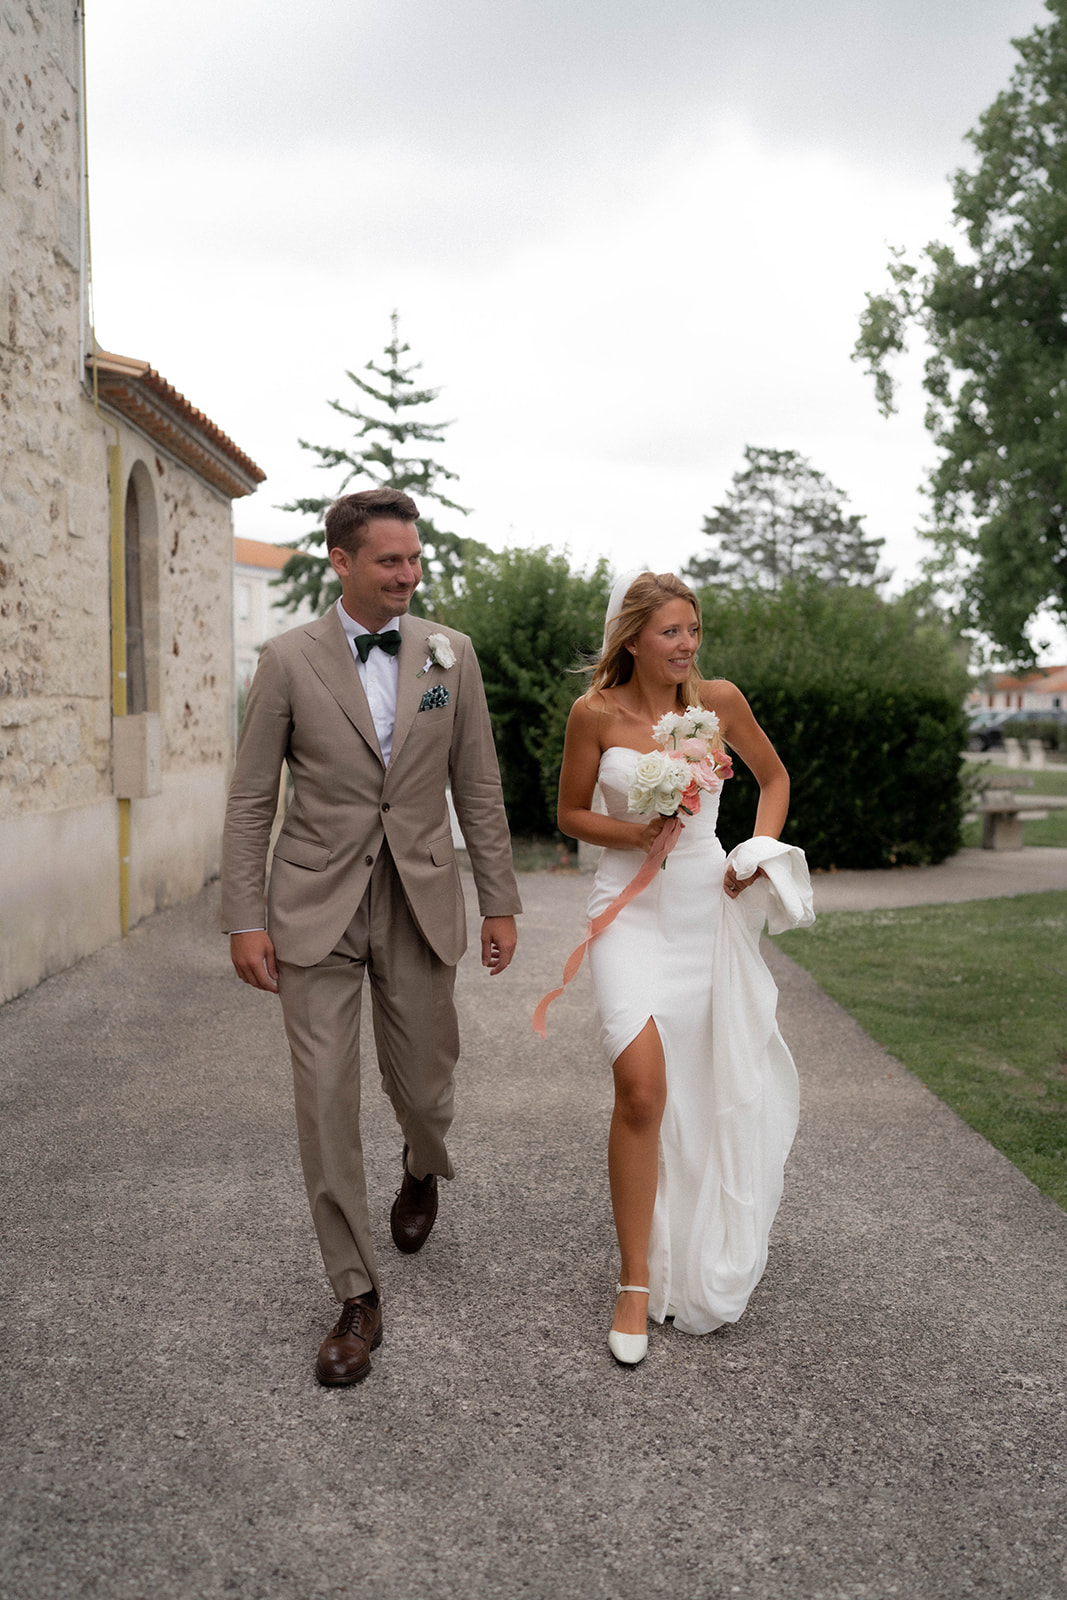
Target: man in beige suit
{"type": "Point", "coordinates": [374, 711]}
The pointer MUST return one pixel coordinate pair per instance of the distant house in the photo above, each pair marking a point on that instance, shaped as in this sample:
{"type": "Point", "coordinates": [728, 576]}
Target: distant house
{"type": "Point", "coordinates": [1042, 690]}
{"type": "Point", "coordinates": [257, 615]}
{"type": "Point", "coordinates": [116, 546]}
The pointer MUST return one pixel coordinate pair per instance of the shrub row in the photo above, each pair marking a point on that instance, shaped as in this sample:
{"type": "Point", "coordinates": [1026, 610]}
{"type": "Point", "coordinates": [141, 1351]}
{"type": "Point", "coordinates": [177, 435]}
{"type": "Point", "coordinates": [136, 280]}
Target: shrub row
{"type": "Point", "coordinates": [862, 699]}
{"type": "Point", "coordinates": [875, 776]}
{"type": "Point", "coordinates": [1046, 731]}
{"type": "Point", "coordinates": [531, 616]}
{"type": "Point", "coordinates": [860, 696]}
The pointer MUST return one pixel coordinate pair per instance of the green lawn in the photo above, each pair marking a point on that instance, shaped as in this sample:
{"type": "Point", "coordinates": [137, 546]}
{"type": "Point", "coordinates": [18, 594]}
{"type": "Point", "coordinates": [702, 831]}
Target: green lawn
{"type": "Point", "coordinates": [1052, 780]}
{"type": "Point", "coordinates": [973, 999]}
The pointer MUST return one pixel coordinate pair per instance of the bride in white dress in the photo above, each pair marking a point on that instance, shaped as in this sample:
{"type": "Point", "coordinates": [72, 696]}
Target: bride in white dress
{"type": "Point", "coordinates": [705, 1089]}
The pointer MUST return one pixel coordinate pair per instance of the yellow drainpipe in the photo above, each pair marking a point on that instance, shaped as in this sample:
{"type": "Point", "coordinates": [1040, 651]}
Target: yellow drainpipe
{"type": "Point", "coordinates": [118, 655]}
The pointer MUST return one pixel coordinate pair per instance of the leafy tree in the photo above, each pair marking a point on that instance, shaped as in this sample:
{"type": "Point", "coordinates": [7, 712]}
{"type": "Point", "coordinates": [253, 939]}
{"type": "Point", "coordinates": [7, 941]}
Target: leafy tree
{"type": "Point", "coordinates": [386, 451]}
{"type": "Point", "coordinates": [531, 619]}
{"type": "Point", "coordinates": [994, 315]}
{"type": "Point", "coordinates": [783, 519]}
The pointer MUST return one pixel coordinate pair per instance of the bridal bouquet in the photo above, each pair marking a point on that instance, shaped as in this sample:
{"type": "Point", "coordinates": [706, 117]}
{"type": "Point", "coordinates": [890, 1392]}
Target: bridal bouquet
{"type": "Point", "coordinates": [670, 779]}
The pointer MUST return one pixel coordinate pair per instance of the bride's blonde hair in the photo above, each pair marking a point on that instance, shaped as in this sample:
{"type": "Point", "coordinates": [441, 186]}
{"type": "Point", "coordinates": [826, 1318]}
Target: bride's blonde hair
{"type": "Point", "coordinates": [648, 592]}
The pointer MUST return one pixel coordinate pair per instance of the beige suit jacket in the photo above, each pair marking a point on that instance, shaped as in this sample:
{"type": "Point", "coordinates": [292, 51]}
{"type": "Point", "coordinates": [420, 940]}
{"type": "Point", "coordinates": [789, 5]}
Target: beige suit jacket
{"type": "Point", "coordinates": [307, 707]}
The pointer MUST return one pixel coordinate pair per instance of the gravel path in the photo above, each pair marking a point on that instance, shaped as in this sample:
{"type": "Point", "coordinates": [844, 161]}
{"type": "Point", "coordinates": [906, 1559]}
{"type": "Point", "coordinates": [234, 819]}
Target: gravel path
{"type": "Point", "coordinates": [887, 1419]}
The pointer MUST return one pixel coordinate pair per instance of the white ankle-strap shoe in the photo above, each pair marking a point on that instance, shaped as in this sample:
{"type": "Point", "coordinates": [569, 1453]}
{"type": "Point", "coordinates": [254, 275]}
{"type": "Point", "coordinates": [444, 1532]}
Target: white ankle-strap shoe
{"type": "Point", "coordinates": [628, 1348]}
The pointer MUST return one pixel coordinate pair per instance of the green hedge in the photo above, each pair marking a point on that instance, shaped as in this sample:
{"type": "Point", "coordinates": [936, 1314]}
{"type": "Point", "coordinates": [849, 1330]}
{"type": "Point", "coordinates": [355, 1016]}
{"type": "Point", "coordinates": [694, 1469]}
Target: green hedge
{"type": "Point", "coordinates": [862, 700]}
{"type": "Point", "coordinates": [1046, 731]}
{"type": "Point", "coordinates": [530, 616]}
{"type": "Point", "coordinates": [860, 696]}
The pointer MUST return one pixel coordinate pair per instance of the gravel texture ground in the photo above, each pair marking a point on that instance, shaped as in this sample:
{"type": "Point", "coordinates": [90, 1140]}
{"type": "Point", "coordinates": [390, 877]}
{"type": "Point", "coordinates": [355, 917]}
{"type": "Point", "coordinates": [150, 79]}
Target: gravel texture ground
{"type": "Point", "coordinates": [888, 1419]}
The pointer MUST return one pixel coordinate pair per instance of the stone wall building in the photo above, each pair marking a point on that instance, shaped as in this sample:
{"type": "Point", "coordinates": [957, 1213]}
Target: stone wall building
{"type": "Point", "coordinates": [116, 538]}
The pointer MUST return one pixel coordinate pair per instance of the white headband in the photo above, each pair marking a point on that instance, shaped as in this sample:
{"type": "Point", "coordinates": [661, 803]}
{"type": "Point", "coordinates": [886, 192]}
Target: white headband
{"type": "Point", "coordinates": [619, 592]}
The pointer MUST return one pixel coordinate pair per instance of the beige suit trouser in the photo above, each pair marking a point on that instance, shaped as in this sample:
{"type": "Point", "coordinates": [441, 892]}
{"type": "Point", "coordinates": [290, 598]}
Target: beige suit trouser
{"type": "Point", "coordinates": [417, 1038]}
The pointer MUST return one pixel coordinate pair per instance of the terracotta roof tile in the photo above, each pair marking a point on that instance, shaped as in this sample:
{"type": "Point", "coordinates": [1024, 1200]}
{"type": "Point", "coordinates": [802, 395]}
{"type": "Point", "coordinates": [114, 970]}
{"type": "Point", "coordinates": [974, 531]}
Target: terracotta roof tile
{"type": "Point", "coordinates": [256, 553]}
{"type": "Point", "coordinates": [1046, 680]}
{"type": "Point", "coordinates": [137, 392]}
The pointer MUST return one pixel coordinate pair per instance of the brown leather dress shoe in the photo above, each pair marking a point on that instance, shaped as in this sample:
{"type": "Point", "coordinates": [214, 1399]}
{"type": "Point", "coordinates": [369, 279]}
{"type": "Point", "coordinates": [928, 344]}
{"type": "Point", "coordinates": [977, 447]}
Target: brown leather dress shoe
{"type": "Point", "coordinates": [414, 1211]}
{"type": "Point", "coordinates": [344, 1355]}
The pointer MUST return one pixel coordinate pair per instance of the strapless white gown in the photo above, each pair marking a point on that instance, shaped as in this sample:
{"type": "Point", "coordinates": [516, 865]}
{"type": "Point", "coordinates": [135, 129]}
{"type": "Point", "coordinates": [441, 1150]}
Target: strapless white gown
{"type": "Point", "coordinates": [685, 955]}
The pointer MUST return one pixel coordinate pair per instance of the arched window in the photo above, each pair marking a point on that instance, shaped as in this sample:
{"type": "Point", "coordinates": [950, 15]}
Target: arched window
{"type": "Point", "coordinates": [142, 594]}
{"type": "Point", "coordinates": [136, 679]}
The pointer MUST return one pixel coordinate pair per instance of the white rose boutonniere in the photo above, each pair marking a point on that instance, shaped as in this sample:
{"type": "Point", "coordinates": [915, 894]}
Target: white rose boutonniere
{"type": "Point", "coordinates": [441, 654]}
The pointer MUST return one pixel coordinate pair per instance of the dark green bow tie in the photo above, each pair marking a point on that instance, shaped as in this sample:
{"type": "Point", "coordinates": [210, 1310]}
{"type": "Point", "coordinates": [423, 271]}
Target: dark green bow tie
{"type": "Point", "coordinates": [389, 641]}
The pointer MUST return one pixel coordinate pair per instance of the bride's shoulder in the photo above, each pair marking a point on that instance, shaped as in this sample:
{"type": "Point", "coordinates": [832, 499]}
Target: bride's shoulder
{"type": "Point", "coordinates": [597, 703]}
{"type": "Point", "coordinates": [720, 695]}
{"type": "Point", "coordinates": [587, 710]}
{"type": "Point", "coordinates": [593, 714]}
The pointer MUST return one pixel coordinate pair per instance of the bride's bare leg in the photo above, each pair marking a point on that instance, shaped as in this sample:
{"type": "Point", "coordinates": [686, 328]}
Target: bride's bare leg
{"type": "Point", "coordinates": [633, 1164]}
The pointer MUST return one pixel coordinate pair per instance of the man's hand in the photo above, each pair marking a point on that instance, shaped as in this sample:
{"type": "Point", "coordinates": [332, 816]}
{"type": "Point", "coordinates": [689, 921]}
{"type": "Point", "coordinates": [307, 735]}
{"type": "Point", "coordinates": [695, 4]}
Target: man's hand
{"type": "Point", "coordinates": [252, 955]}
{"type": "Point", "coordinates": [499, 938]}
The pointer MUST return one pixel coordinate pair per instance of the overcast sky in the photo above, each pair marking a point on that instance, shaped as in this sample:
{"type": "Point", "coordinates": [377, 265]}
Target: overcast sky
{"type": "Point", "coordinates": [625, 239]}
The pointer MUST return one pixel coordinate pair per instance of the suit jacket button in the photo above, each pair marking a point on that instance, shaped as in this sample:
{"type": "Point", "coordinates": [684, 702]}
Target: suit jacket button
{"type": "Point", "coordinates": [368, 861]}
{"type": "Point", "coordinates": [385, 807]}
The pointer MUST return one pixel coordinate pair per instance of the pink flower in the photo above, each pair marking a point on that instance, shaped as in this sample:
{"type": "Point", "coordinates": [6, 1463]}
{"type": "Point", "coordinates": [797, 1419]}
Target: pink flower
{"type": "Point", "coordinates": [707, 776]}
{"type": "Point", "coordinates": [690, 802]}
{"type": "Point", "coordinates": [693, 749]}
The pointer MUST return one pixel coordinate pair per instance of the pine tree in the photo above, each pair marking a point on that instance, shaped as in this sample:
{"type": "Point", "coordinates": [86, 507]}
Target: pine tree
{"type": "Point", "coordinates": [385, 452]}
{"type": "Point", "coordinates": [783, 520]}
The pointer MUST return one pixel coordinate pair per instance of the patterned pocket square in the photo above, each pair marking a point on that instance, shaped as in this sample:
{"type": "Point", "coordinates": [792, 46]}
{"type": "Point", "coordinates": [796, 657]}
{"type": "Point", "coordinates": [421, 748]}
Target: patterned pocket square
{"type": "Point", "coordinates": [434, 698]}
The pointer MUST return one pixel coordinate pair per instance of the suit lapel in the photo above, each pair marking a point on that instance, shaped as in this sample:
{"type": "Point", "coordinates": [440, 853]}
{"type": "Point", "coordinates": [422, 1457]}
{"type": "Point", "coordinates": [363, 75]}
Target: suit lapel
{"type": "Point", "coordinates": [414, 631]}
{"type": "Point", "coordinates": [329, 655]}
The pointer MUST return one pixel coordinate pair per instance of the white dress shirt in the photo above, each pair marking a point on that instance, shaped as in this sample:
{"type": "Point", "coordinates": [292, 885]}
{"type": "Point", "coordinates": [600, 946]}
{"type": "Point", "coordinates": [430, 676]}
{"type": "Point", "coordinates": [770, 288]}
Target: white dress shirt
{"type": "Point", "coordinates": [379, 675]}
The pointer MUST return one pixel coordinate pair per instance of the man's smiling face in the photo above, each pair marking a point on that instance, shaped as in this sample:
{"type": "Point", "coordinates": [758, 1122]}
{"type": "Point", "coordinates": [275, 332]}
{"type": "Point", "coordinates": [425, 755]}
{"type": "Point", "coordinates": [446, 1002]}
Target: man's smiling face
{"type": "Point", "coordinates": [377, 583]}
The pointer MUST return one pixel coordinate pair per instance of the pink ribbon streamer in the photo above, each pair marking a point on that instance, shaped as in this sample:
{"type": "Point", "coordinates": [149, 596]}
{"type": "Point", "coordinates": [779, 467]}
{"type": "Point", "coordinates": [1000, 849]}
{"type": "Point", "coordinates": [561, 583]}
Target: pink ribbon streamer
{"type": "Point", "coordinates": [665, 842]}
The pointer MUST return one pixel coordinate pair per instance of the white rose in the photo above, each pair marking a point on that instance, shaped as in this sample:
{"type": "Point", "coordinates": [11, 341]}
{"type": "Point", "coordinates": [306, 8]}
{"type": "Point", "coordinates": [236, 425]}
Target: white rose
{"type": "Point", "coordinates": [441, 651]}
{"type": "Point", "coordinates": [648, 775]}
{"type": "Point", "coordinates": [673, 784]}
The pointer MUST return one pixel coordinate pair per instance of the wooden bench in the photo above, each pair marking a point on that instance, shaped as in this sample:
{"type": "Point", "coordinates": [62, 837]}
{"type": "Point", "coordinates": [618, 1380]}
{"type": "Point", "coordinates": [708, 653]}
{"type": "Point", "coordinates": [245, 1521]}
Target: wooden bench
{"type": "Point", "coordinates": [1002, 811]}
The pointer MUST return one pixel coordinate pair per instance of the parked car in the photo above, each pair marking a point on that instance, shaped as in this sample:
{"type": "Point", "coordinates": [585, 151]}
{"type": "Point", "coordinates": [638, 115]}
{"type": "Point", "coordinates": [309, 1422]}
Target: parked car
{"type": "Point", "coordinates": [984, 733]}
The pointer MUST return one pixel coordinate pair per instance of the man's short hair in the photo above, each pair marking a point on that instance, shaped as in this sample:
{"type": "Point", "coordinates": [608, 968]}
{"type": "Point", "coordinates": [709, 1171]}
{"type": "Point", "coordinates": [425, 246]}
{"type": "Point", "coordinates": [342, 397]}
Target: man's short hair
{"type": "Point", "coordinates": [347, 519]}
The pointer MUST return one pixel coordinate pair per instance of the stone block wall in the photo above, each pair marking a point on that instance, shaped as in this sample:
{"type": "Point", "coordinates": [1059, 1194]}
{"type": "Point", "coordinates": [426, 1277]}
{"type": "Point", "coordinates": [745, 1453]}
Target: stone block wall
{"type": "Point", "coordinates": [59, 818]}
{"type": "Point", "coordinates": [196, 584]}
{"type": "Point", "coordinates": [54, 661]}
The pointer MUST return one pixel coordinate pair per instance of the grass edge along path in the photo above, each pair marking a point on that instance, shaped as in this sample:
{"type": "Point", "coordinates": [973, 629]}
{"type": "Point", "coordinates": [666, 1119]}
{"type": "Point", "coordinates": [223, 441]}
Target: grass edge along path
{"type": "Point", "coordinates": [972, 999]}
